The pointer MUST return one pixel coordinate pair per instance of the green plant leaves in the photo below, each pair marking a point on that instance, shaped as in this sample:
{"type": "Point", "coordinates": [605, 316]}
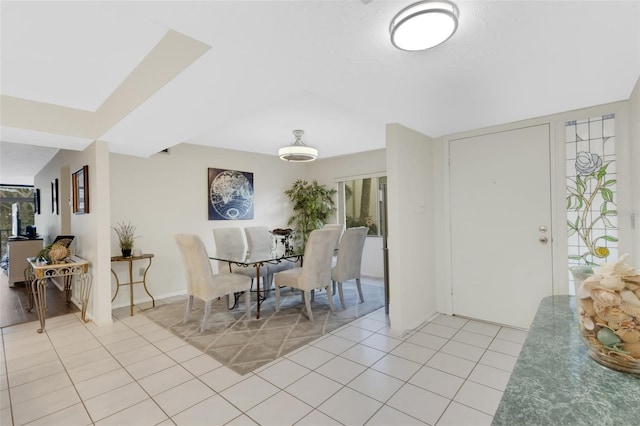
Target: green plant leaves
{"type": "Point", "coordinates": [582, 199]}
{"type": "Point", "coordinates": [607, 194]}
{"type": "Point", "coordinates": [574, 202]}
{"type": "Point", "coordinates": [603, 170]}
{"type": "Point", "coordinates": [609, 238]}
{"type": "Point", "coordinates": [313, 204]}
{"type": "Point", "coordinates": [580, 186]}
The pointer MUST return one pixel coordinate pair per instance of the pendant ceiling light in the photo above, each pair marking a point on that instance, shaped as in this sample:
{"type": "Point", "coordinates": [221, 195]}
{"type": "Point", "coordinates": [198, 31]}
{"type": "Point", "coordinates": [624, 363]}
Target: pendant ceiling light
{"type": "Point", "coordinates": [297, 151]}
{"type": "Point", "coordinates": [424, 24]}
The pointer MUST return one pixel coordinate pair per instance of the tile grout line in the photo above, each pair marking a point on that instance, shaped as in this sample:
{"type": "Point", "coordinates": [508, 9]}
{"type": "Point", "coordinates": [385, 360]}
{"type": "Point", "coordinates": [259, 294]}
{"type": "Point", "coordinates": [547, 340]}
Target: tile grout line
{"type": "Point", "coordinates": [177, 363]}
{"type": "Point", "coordinates": [387, 352]}
{"type": "Point", "coordinates": [6, 368]}
{"type": "Point", "coordinates": [242, 412]}
{"type": "Point", "coordinates": [342, 386]}
{"type": "Point", "coordinates": [476, 363]}
{"type": "Point", "coordinates": [485, 350]}
{"type": "Point", "coordinates": [46, 332]}
{"type": "Point", "coordinates": [109, 372]}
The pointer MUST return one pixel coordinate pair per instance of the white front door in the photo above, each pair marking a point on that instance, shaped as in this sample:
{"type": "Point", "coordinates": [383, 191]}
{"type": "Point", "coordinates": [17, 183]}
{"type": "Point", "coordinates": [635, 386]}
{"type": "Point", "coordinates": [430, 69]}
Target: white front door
{"type": "Point", "coordinates": [500, 211]}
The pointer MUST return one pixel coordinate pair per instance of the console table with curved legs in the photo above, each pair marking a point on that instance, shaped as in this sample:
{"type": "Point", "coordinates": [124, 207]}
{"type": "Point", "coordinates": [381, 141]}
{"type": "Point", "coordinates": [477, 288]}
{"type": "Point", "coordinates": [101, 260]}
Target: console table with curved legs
{"type": "Point", "coordinates": [38, 274]}
{"type": "Point", "coordinates": [131, 282]}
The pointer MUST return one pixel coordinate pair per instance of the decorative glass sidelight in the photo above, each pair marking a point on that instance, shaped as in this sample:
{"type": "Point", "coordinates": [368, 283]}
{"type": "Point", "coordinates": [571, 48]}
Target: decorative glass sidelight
{"type": "Point", "coordinates": [591, 190]}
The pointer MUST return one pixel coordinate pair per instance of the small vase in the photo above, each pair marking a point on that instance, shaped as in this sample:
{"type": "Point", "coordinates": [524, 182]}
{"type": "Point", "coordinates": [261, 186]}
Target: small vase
{"type": "Point", "coordinates": [126, 252]}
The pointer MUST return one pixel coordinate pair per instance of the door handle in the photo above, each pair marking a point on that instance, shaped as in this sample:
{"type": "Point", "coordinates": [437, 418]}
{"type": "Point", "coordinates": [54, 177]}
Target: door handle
{"type": "Point", "coordinates": [543, 239]}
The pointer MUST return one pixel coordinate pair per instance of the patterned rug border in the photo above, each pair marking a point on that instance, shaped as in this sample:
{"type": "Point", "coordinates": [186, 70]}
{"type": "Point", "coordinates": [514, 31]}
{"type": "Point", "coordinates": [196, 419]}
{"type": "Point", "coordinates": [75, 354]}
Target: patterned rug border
{"type": "Point", "coordinates": [246, 344]}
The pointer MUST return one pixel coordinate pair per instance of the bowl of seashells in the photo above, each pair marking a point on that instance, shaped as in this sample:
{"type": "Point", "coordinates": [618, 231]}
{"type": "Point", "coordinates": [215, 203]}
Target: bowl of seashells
{"type": "Point", "coordinates": [609, 308]}
{"type": "Point", "coordinates": [58, 253]}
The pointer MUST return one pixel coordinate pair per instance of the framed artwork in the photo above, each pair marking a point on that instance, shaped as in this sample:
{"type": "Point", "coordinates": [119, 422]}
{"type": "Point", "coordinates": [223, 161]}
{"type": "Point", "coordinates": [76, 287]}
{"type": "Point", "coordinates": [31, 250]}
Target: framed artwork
{"type": "Point", "coordinates": [230, 195]}
{"type": "Point", "coordinates": [80, 183]}
{"type": "Point", "coordinates": [36, 201]}
{"type": "Point", "coordinates": [54, 197]}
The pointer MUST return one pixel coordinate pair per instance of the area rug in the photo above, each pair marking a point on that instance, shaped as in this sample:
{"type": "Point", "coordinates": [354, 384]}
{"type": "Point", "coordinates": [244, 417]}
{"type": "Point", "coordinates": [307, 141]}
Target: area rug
{"type": "Point", "coordinates": [244, 344]}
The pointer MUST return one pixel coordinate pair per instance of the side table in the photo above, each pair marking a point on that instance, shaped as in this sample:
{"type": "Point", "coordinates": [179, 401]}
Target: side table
{"type": "Point", "coordinates": [38, 275]}
{"type": "Point", "coordinates": [131, 282]}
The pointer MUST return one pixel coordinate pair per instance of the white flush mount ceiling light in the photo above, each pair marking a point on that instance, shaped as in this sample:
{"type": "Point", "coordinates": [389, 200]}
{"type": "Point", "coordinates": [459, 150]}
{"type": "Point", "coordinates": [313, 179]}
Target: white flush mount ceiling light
{"type": "Point", "coordinates": [297, 151]}
{"type": "Point", "coordinates": [424, 24]}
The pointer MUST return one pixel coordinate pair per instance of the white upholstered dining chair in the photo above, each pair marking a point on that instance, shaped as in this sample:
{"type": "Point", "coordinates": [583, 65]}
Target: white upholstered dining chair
{"type": "Point", "coordinates": [203, 283]}
{"type": "Point", "coordinates": [315, 272]}
{"type": "Point", "coordinates": [334, 259]}
{"type": "Point", "coordinates": [230, 244]}
{"type": "Point", "coordinates": [260, 243]}
{"type": "Point", "coordinates": [339, 227]}
{"type": "Point", "coordinates": [349, 260]}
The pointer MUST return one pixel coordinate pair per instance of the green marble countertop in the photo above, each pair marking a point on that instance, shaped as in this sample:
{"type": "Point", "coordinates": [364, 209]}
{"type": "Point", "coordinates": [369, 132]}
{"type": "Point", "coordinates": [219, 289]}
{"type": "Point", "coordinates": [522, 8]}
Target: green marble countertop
{"type": "Point", "coordinates": [555, 382]}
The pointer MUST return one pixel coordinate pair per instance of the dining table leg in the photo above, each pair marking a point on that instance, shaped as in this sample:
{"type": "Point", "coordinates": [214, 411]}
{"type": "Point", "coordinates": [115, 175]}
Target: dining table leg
{"type": "Point", "coordinates": [258, 301]}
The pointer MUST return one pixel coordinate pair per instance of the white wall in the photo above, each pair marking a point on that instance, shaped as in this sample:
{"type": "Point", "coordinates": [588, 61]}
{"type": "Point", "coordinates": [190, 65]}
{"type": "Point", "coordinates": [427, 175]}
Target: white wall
{"type": "Point", "coordinates": [48, 224]}
{"type": "Point", "coordinates": [87, 228]}
{"type": "Point", "coordinates": [164, 195]}
{"type": "Point", "coordinates": [634, 137]}
{"type": "Point", "coordinates": [357, 166]}
{"type": "Point", "coordinates": [410, 181]}
{"type": "Point", "coordinates": [625, 189]}
{"type": "Point", "coordinates": [167, 194]}
{"type": "Point", "coordinates": [329, 171]}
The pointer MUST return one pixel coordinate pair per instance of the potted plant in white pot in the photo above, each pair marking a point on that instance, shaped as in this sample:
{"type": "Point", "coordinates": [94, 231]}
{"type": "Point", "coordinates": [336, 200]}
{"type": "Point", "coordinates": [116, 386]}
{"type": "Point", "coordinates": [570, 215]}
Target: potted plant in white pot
{"type": "Point", "coordinates": [126, 236]}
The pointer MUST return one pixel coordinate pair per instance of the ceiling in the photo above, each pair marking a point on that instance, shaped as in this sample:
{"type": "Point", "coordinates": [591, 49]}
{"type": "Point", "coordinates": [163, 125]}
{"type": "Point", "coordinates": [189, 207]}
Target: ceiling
{"type": "Point", "coordinates": [145, 76]}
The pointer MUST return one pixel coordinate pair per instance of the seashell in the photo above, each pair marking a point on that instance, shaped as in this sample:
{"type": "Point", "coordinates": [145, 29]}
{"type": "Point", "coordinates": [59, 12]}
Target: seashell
{"type": "Point", "coordinates": [611, 314]}
{"type": "Point", "coordinates": [631, 279]}
{"type": "Point", "coordinates": [631, 286]}
{"type": "Point", "coordinates": [616, 268]}
{"type": "Point", "coordinates": [583, 292]}
{"type": "Point", "coordinates": [629, 297]}
{"type": "Point", "coordinates": [606, 298]}
{"type": "Point", "coordinates": [587, 306]}
{"type": "Point", "coordinates": [628, 336]}
{"type": "Point", "coordinates": [608, 337]}
{"type": "Point", "coordinates": [614, 283]}
{"type": "Point", "coordinates": [633, 349]}
{"type": "Point", "coordinates": [617, 354]}
{"type": "Point", "coordinates": [634, 311]}
{"type": "Point", "coordinates": [588, 324]}
{"type": "Point", "coordinates": [58, 252]}
{"type": "Point", "coordinates": [598, 320]}
{"type": "Point", "coordinates": [591, 282]}
{"type": "Point", "coordinates": [630, 325]}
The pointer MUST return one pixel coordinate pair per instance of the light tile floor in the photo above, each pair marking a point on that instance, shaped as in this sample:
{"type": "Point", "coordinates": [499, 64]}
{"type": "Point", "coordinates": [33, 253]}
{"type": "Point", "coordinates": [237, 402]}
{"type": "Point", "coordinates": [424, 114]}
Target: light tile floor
{"type": "Point", "coordinates": [451, 371]}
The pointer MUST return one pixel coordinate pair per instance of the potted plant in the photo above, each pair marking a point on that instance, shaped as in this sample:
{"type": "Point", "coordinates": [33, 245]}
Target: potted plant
{"type": "Point", "coordinates": [126, 236]}
{"type": "Point", "coordinates": [312, 206]}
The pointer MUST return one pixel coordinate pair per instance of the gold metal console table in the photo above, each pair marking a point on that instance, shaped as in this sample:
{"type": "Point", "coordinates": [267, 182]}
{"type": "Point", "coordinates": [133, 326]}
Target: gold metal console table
{"type": "Point", "coordinates": [39, 273]}
{"type": "Point", "coordinates": [131, 282]}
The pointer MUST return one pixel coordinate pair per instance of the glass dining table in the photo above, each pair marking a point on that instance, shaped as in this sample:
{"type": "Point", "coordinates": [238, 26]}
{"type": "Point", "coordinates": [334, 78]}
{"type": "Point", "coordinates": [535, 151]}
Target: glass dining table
{"type": "Point", "coordinates": [258, 261]}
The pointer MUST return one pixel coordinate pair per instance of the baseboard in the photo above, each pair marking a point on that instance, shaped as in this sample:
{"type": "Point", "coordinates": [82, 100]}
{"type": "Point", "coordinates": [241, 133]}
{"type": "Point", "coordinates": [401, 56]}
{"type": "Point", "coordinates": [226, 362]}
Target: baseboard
{"type": "Point", "coordinates": [123, 304]}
